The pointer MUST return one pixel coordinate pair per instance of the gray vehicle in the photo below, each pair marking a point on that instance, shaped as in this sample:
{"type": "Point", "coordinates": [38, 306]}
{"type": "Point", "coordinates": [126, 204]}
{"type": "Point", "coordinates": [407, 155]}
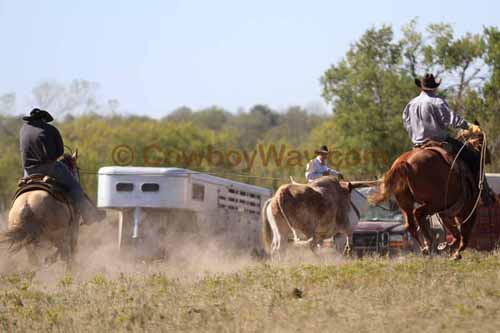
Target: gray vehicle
{"type": "Point", "coordinates": [381, 231]}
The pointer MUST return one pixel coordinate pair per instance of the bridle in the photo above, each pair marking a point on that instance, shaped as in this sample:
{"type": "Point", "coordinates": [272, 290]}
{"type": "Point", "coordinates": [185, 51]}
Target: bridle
{"type": "Point", "coordinates": [70, 162]}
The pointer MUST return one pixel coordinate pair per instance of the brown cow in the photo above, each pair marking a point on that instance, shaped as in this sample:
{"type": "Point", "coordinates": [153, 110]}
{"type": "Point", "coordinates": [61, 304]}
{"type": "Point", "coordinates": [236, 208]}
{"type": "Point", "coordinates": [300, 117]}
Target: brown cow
{"type": "Point", "coordinates": [319, 210]}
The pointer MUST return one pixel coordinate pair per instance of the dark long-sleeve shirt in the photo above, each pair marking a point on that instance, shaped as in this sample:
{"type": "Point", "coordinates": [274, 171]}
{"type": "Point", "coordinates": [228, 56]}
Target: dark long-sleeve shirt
{"type": "Point", "coordinates": [40, 143]}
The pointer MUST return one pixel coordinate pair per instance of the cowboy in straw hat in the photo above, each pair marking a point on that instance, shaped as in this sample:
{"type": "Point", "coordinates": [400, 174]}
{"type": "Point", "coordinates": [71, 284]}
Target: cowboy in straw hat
{"type": "Point", "coordinates": [317, 167]}
{"type": "Point", "coordinates": [41, 147]}
{"type": "Point", "coordinates": [428, 117]}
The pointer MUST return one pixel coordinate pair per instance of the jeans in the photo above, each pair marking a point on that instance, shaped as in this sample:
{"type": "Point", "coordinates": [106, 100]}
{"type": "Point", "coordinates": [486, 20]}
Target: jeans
{"type": "Point", "coordinates": [63, 175]}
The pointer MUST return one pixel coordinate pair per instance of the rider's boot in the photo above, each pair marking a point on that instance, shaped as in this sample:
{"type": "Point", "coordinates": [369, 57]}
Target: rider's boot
{"type": "Point", "coordinates": [487, 195]}
{"type": "Point", "coordinates": [89, 211]}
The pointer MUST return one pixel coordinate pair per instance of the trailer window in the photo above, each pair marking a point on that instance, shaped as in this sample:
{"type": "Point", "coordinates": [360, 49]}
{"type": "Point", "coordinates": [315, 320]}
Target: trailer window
{"type": "Point", "coordinates": [124, 187]}
{"type": "Point", "coordinates": [198, 192]}
{"type": "Point", "coordinates": [150, 187]}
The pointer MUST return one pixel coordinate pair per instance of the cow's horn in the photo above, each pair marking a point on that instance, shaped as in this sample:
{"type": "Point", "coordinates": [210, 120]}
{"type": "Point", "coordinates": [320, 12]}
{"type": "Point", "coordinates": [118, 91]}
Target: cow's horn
{"type": "Point", "coordinates": [367, 183]}
{"type": "Point", "coordinates": [293, 181]}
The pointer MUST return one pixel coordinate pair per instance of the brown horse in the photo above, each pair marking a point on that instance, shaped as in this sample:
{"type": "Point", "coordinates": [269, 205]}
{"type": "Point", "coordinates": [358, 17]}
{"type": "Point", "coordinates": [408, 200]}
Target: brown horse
{"type": "Point", "coordinates": [37, 218]}
{"type": "Point", "coordinates": [426, 181]}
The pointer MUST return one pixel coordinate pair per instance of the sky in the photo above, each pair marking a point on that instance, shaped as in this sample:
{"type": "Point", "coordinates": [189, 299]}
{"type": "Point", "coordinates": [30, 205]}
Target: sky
{"type": "Point", "coordinates": [156, 55]}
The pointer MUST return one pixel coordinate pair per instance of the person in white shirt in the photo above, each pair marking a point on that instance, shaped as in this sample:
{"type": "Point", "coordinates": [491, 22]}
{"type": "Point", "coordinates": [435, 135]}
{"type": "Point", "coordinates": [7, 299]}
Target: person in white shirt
{"type": "Point", "coordinates": [317, 167]}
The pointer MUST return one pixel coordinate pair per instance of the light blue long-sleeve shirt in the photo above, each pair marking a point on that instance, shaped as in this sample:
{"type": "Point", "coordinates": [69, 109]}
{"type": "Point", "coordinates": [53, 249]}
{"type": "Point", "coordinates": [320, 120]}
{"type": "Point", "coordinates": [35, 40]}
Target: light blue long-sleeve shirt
{"type": "Point", "coordinates": [428, 117]}
{"type": "Point", "coordinates": [315, 169]}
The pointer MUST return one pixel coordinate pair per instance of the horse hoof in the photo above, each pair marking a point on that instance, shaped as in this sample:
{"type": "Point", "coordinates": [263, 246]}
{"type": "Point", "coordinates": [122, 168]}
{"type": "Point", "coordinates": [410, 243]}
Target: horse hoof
{"type": "Point", "coordinates": [50, 260]}
{"type": "Point", "coordinates": [442, 247]}
{"type": "Point", "coordinates": [425, 252]}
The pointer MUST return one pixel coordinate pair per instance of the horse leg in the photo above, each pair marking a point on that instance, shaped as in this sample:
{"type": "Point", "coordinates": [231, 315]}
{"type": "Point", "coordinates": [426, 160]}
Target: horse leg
{"type": "Point", "coordinates": [73, 241]}
{"type": "Point", "coordinates": [32, 256]}
{"type": "Point", "coordinates": [52, 258]}
{"type": "Point", "coordinates": [66, 255]}
{"type": "Point", "coordinates": [465, 230]}
{"type": "Point", "coordinates": [68, 246]}
{"type": "Point", "coordinates": [61, 240]}
{"type": "Point", "coordinates": [405, 202]}
{"type": "Point", "coordinates": [453, 228]}
{"type": "Point", "coordinates": [421, 214]}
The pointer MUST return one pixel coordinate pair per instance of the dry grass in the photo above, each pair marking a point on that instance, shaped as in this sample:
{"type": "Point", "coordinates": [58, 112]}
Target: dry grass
{"type": "Point", "coordinates": [373, 294]}
{"type": "Point", "coordinates": [211, 290]}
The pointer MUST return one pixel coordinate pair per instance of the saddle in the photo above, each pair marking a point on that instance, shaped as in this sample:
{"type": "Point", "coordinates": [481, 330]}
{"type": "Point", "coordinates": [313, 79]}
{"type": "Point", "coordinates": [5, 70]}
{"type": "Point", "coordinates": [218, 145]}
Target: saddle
{"type": "Point", "coordinates": [43, 183]}
{"type": "Point", "coordinates": [444, 150]}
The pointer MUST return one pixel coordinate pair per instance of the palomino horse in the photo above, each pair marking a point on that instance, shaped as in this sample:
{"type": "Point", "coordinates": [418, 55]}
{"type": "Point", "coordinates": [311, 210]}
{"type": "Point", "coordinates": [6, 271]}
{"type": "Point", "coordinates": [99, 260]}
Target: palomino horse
{"type": "Point", "coordinates": [425, 182]}
{"type": "Point", "coordinates": [319, 210]}
{"type": "Point", "coordinates": [36, 217]}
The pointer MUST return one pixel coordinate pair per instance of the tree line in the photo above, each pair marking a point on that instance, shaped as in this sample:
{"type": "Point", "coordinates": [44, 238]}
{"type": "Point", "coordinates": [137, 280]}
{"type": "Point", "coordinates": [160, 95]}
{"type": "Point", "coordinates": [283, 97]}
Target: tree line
{"type": "Point", "coordinates": [367, 90]}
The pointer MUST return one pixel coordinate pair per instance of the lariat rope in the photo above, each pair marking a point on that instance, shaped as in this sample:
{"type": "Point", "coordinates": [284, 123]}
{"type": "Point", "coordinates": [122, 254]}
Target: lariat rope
{"type": "Point", "coordinates": [481, 175]}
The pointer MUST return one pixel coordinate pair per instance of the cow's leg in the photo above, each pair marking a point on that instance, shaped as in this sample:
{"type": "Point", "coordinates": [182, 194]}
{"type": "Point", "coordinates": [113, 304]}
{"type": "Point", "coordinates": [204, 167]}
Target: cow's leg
{"type": "Point", "coordinates": [284, 232]}
{"type": "Point", "coordinates": [348, 242]}
{"type": "Point", "coordinates": [314, 244]}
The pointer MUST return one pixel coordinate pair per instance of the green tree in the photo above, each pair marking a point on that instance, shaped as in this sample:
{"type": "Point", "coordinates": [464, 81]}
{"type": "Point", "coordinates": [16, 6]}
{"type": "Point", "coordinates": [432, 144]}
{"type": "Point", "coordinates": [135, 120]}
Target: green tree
{"type": "Point", "coordinates": [457, 58]}
{"type": "Point", "coordinates": [491, 120]}
{"type": "Point", "coordinates": [368, 91]}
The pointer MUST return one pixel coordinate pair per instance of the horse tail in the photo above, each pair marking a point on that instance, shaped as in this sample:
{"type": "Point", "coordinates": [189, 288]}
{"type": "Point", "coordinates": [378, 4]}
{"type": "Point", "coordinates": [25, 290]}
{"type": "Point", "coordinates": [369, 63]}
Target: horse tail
{"type": "Point", "coordinates": [26, 232]}
{"type": "Point", "coordinates": [395, 181]}
{"type": "Point", "coordinates": [266, 231]}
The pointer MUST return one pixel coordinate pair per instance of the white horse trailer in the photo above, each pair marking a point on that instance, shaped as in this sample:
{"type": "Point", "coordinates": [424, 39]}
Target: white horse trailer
{"type": "Point", "coordinates": [160, 206]}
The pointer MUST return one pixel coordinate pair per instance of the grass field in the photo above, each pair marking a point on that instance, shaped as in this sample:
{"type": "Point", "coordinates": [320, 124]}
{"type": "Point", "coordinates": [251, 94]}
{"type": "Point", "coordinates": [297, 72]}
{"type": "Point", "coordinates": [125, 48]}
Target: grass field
{"type": "Point", "coordinates": [374, 294]}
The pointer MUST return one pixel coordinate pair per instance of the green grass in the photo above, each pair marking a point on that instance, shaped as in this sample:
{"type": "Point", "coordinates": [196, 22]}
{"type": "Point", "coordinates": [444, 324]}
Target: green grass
{"type": "Point", "coordinates": [373, 294]}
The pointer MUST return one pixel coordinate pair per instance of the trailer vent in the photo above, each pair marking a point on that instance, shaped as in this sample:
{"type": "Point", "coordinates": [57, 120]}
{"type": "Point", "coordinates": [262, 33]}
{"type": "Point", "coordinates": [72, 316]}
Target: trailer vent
{"type": "Point", "coordinates": [240, 200]}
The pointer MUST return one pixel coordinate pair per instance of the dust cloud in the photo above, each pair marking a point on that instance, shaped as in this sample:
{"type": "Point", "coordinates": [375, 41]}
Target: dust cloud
{"type": "Point", "coordinates": [181, 258]}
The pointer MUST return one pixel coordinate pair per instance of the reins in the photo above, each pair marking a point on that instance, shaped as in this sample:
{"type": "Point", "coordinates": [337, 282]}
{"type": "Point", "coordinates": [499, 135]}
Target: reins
{"type": "Point", "coordinates": [481, 175]}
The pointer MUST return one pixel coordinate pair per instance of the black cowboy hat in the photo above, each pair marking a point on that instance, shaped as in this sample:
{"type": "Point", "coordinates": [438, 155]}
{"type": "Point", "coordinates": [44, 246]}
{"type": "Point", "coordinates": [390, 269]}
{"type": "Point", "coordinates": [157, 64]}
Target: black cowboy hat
{"type": "Point", "coordinates": [428, 82]}
{"type": "Point", "coordinates": [37, 114]}
{"type": "Point", "coordinates": [322, 150]}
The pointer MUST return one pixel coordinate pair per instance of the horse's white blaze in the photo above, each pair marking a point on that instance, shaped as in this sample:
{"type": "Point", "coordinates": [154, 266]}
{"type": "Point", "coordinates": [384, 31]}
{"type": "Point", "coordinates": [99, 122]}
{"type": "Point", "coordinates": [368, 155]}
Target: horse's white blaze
{"type": "Point", "coordinates": [276, 243]}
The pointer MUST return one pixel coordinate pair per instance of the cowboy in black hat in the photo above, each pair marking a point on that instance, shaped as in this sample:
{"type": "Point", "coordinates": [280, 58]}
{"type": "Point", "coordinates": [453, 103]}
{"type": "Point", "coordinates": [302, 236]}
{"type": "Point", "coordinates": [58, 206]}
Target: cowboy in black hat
{"type": "Point", "coordinates": [41, 147]}
{"type": "Point", "coordinates": [428, 117]}
{"type": "Point", "coordinates": [317, 167]}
